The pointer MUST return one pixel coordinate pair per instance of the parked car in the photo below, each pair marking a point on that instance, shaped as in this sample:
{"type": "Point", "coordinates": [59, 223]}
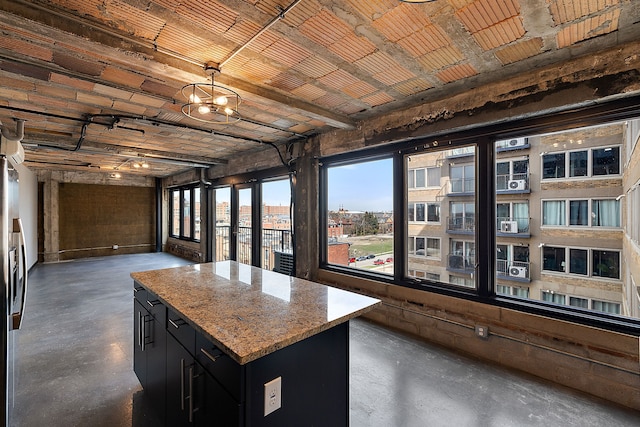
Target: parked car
{"type": "Point", "coordinates": [379, 262]}
{"type": "Point", "coordinates": [352, 260]}
{"type": "Point", "coordinates": [371, 256]}
{"type": "Point", "coordinates": [389, 260]}
{"type": "Point", "coordinates": [361, 258]}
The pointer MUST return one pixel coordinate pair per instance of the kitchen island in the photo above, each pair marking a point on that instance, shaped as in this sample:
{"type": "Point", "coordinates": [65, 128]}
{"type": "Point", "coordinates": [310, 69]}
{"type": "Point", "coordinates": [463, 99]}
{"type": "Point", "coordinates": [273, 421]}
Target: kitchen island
{"type": "Point", "coordinates": [229, 344]}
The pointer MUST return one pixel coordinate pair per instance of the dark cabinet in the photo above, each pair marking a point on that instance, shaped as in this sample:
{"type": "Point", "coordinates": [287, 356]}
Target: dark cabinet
{"type": "Point", "coordinates": [194, 396]}
{"type": "Point", "coordinates": [182, 379]}
{"type": "Point", "coordinates": [192, 382]}
{"type": "Point", "coordinates": [150, 338]}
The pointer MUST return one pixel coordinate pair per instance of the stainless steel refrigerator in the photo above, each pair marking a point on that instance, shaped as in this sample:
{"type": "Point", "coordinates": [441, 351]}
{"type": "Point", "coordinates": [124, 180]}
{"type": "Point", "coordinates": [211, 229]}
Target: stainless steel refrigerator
{"type": "Point", "coordinates": [14, 262]}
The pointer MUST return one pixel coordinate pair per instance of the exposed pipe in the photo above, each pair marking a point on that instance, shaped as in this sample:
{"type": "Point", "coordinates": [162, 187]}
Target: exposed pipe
{"type": "Point", "coordinates": [6, 134]}
{"type": "Point", "coordinates": [269, 24]}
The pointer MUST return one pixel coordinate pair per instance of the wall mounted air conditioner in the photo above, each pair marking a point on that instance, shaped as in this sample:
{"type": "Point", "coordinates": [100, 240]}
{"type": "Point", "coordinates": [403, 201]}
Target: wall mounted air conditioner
{"type": "Point", "coordinates": [515, 271]}
{"type": "Point", "coordinates": [517, 142]}
{"type": "Point", "coordinates": [517, 184]}
{"type": "Point", "coordinates": [509, 226]}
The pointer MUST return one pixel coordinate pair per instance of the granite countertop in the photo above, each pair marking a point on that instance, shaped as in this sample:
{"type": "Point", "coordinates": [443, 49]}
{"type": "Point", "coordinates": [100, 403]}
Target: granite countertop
{"type": "Point", "coordinates": [250, 312]}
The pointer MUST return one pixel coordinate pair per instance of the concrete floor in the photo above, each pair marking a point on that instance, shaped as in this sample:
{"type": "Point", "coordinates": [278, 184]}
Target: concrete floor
{"type": "Point", "coordinates": [75, 351]}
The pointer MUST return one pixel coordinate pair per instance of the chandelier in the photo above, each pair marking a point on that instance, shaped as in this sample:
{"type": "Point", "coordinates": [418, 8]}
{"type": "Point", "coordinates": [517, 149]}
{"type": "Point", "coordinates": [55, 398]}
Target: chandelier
{"type": "Point", "coordinates": [210, 102]}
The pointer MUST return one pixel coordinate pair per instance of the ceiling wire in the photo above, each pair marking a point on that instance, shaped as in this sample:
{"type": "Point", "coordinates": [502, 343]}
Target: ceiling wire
{"type": "Point", "coordinates": [268, 25]}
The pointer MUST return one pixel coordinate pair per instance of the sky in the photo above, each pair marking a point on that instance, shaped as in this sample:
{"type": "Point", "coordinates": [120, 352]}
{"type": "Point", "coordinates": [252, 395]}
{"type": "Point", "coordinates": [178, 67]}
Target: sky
{"type": "Point", "coordinates": [362, 187]}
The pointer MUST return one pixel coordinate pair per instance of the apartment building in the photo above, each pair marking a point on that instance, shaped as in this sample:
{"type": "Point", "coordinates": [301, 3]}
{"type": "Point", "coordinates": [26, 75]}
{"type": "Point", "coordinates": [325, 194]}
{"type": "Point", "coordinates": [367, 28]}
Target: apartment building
{"type": "Point", "coordinates": [562, 217]}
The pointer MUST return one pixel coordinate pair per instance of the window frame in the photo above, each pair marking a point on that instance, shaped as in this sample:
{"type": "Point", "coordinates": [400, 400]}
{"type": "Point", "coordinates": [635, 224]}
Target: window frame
{"type": "Point", "coordinates": [482, 137]}
{"type": "Point", "coordinates": [566, 220]}
{"type": "Point", "coordinates": [590, 164]}
{"type": "Point", "coordinates": [191, 189]}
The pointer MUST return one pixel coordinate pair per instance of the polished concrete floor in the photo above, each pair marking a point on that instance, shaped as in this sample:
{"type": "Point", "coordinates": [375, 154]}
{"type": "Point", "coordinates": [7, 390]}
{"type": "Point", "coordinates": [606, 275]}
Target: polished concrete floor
{"type": "Point", "coordinates": [74, 366]}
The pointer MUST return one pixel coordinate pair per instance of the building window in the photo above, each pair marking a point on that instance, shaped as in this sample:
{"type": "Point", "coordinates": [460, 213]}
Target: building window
{"type": "Point", "coordinates": [553, 259]}
{"type": "Point", "coordinates": [606, 161]}
{"type": "Point", "coordinates": [462, 178]}
{"type": "Point", "coordinates": [462, 217]}
{"type": "Point", "coordinates": [605, 213]}
{"type": "Point", "coordinates": [428, 177]}
{"type": "Point", "coordinates": [433, 212]}
{"type": "Point", "coordinates": [579, 302]}
{"type": "Point", "coordinates": [424, 246]}
{"type": "Point", "coordinates": [553, 212]}
{"type": "Point", "coordinates": [606, 264]}
{"type": "Point", "coordinates": [185, 213]}
{"type": "Point", "coordinates": [578, 261]}
{"type": "Point", "coordinates": [554, 297]}
{"type": "Point", "coordinates": [512, 175]}
{"type": "Point", "coordinates": [606, 307]}
{"type": "Point", "coordinates": [580, 164]}
{"type": "Point", "coordinates": [582, 213]}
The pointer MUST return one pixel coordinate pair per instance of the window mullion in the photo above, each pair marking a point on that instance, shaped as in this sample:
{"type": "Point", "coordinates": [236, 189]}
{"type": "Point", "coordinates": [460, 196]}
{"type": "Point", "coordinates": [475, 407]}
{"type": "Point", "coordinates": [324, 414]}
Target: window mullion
{"type": "Point", "coordinates": [485, 218]}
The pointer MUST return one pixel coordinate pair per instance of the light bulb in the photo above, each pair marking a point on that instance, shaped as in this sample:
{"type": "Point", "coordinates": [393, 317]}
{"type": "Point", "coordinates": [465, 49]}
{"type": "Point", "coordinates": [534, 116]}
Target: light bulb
{"type": "Point", "coordinates": [194, 99]}
{"type": "Point", "coordinates": [145, 165]}
{"type": "Point", "coordinates": [204, 109]}
{"type": "Point", "coordinates": [221, 100]}
{"type": "Point", "coordinates": [228, 111]}
{"type": "Point", "coordinates": [136, 165]}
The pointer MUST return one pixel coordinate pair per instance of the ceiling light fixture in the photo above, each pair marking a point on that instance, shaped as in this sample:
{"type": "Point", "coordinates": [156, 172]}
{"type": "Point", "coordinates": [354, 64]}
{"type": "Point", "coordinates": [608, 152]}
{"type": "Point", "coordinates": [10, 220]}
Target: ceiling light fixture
{"type": "Point", "coordinates": [210, 102]}
{"type": "Point", "coordinates": [142, 164]}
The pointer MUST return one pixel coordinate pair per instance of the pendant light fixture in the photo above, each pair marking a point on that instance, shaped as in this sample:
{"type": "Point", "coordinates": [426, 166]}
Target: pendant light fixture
{"type": "Point", "coordinates": [210, 102]}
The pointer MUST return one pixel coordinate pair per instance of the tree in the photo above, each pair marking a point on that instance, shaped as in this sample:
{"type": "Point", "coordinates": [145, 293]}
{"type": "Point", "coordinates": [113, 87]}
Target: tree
{"type": "Point", "coordinates": [369, 224]}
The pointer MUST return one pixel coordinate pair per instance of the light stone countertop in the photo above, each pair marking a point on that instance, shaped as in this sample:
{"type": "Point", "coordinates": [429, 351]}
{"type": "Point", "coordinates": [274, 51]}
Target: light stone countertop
{"type": "Point", "coordinates": [250, 312]}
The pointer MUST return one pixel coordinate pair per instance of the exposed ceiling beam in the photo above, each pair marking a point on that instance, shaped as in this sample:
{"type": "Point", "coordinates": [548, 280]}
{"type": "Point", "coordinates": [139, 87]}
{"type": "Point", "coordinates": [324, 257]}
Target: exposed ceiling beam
{"type": "Point", "coordinates": [98, 33]}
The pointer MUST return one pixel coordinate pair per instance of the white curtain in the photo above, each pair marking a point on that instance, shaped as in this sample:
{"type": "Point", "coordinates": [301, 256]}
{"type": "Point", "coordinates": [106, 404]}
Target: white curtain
{"type": "Point", "coordinates": [605, 213]}
{"type": "Point", "coordinates": [553, 212]}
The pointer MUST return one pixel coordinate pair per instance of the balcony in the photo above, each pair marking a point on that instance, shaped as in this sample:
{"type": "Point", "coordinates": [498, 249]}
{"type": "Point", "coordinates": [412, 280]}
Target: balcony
{"type": "Point", "coordinates": [513, 270]}
{"type": "Point", "coordinates": [461, 225]}
{"type": "Point", "coordinates": [272, 240]}
{"type": "Point", "coordinates": [513, 183]}
{"type": "Point", "coordinates": [512, 227]}
{"type": "Point", "coordinates": [461, 263]}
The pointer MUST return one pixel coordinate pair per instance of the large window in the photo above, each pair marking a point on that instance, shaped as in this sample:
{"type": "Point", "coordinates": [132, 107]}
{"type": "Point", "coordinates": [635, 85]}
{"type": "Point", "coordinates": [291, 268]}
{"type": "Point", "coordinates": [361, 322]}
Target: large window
{"type": "Point", "coordinates": [253, 223]}
{"type": "Point", "coordinates": [360, 217]}
{"type": "Point", "coordinates": [185, 212]}
{"type": "Point", "coordinates": [593, 162]}
{"type": "Point", "coordinates": [563, 204]}
{"type": "Point", "coordinates": [581, 213]}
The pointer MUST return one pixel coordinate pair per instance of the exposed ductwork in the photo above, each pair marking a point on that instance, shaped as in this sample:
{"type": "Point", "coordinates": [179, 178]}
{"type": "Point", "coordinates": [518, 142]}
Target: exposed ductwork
{"type": "Point", "coordinates": [6, 134]}
{"type": "Point", "coordinates": [10, 143]}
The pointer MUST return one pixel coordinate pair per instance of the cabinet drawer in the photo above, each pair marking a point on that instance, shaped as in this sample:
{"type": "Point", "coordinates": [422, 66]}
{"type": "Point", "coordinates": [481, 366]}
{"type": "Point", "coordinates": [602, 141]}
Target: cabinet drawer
{"type": "Point", "coordinates": [221, 367]}
{"type": "Point", "coordinates": [139, 293]}
{"type": "Point", "coordinates": [156, 309]}
{"type": "Point", "coordinates": [181, 330]}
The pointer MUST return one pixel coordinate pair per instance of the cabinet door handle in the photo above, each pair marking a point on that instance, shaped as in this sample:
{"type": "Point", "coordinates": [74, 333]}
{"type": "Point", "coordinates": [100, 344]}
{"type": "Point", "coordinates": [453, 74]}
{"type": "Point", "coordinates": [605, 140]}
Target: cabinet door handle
{"type": "Point", "coordinates": [153, 303]}
{"type": "Point", "coordinates": [143, 331]}
{"type": "Point", "coordinates": [182, 384]}
{"type": "Point", "coordinates": [175, 325]}
{"type": "Point", "coordinates": [139, 329]}
{"type": "Point", "coordinates": [190, 394]}
{"type": "Point", "coordinates": [210, 356]}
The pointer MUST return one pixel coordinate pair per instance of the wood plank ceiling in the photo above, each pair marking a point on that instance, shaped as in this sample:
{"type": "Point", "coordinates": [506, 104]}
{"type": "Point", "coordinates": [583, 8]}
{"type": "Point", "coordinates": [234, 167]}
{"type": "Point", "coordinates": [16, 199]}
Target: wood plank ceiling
{"type": "Point", "coordinates": [99, 81]}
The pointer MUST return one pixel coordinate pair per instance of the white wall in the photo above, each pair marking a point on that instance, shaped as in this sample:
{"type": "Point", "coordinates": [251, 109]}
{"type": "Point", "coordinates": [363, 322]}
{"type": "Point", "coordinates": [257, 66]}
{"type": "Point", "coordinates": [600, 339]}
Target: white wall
{"type": "Point", "coordinates": [28, 189]}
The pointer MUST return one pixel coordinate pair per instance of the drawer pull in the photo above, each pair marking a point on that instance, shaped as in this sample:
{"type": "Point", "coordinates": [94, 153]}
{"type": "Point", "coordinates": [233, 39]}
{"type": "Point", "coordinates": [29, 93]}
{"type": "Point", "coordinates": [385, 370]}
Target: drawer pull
{"type": "Point", "coordinates": [210, 356]}
{"type": "Point", "coordinates": [175, 325]}
{"type": "Point", "coordinates": [153, 303]}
